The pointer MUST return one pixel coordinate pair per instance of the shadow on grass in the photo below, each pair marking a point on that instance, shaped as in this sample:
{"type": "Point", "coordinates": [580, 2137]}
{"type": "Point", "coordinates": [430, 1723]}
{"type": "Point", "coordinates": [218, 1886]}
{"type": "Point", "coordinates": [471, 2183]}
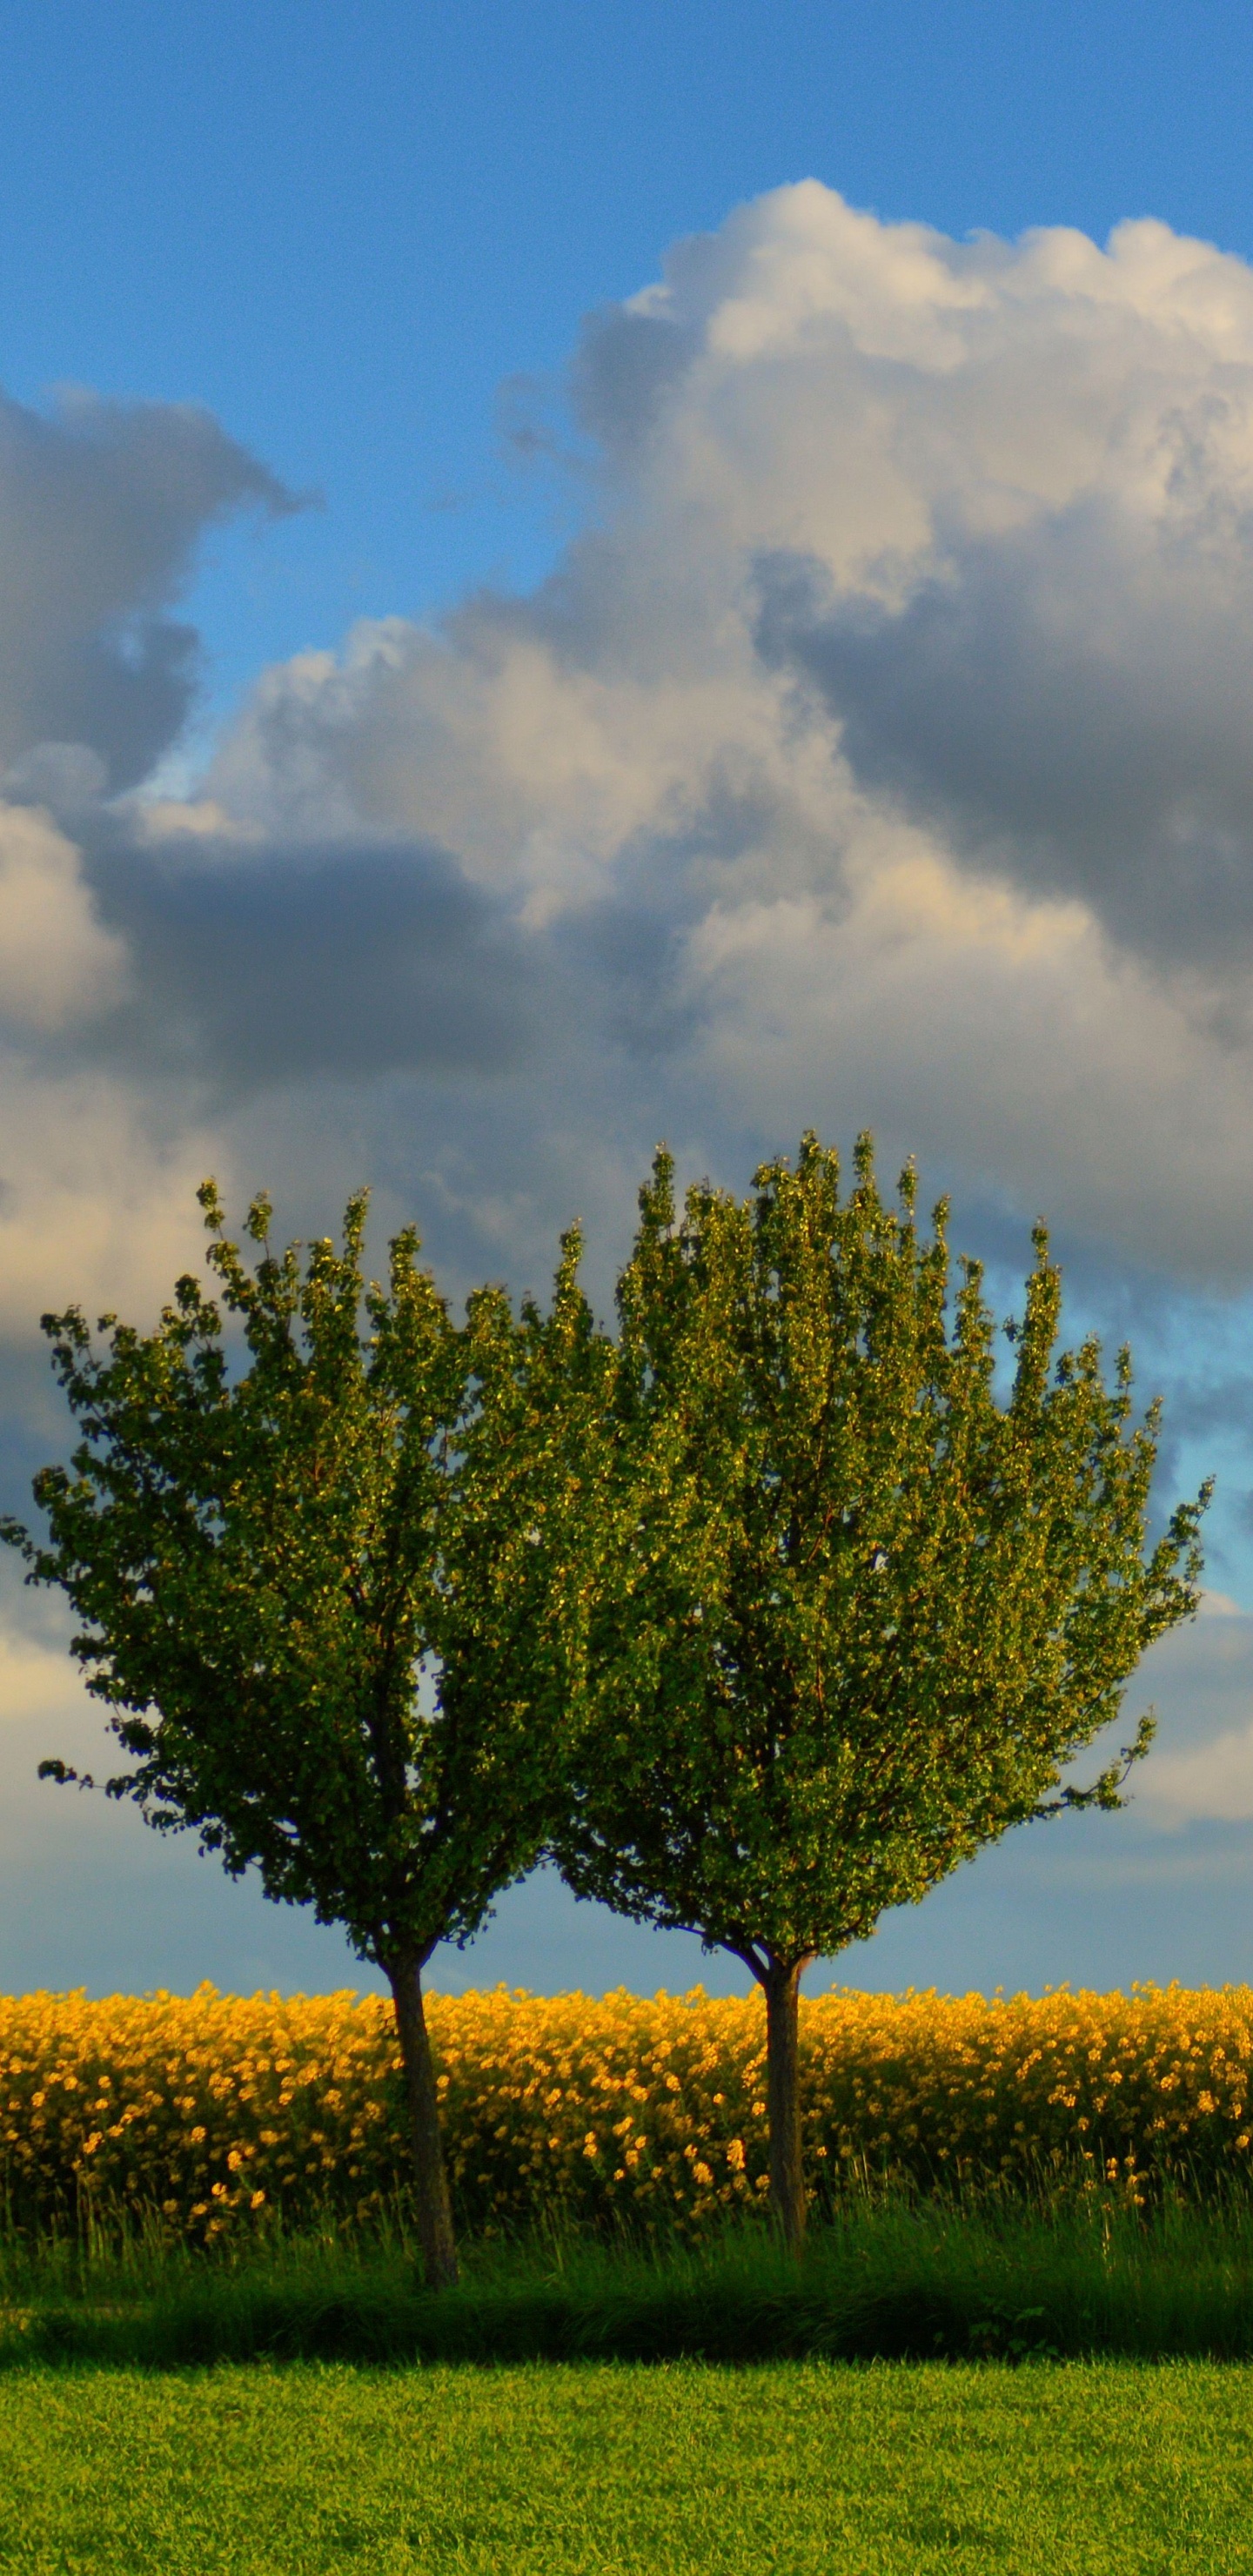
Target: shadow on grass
{"type": "Point", "coordinates": [882, 2279]}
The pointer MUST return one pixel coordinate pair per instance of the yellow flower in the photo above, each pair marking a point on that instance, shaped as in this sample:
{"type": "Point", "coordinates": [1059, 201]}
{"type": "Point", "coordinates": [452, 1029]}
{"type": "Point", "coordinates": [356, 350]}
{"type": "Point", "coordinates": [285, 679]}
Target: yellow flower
{"type": "Point", "coordinates": [193, 2108]}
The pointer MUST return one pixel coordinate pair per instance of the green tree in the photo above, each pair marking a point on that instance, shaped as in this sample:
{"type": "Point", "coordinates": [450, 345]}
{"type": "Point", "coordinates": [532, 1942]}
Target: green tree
{"type": "Point", "coordinates": [331, 1590]}
{"type": "Point", "coordinates": [856, 1614]}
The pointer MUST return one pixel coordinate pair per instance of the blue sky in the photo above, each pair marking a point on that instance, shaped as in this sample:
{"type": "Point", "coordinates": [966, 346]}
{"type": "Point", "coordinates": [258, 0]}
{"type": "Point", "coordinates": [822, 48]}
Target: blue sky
{"type": "Point", "coordinates": [633, 638]}
{"type": "Point", "coordinates": [346, 234]}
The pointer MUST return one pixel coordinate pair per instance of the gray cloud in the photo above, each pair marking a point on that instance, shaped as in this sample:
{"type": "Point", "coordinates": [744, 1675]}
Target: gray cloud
{"type": "Point", "coordinates": [1070, 704]}
{"type": "Point", "coordinates": [101, 506]}
{"type": "Point", "coordinates": [627, 362]}
{"type": "Point", "coordinates": [882, 741]}
{"type": "Point", "coordinates": [264, 965]}
{"type": "Point", "coordinates": [864, 759]}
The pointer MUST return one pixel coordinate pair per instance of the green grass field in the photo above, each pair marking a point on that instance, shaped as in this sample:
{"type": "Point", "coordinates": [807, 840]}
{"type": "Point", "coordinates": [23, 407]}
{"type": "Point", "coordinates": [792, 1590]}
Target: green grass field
{"type": "Point", "coordinates": [939, 2385]}
{"type": "Point", "coordinates": [1074, 2469]}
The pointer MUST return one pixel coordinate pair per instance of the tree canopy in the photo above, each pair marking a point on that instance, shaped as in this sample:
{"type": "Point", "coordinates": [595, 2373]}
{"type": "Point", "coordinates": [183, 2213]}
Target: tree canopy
{"type": "Point", "coordinates": [760, 1619]}
{"type": "Point", "coordinates": [855, 1613]}
{"type": "Point", "coordinates": [331, 1588]}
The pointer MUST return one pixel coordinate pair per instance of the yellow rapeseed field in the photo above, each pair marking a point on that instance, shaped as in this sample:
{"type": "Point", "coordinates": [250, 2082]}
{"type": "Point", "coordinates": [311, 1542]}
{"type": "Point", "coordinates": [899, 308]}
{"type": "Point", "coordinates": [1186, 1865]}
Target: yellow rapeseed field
{"type": "Point", "coordinates": [216, 2112]}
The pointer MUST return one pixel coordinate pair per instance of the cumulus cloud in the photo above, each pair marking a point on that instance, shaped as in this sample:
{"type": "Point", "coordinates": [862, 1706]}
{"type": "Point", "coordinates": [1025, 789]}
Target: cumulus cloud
{"type": "Point", "coordinates": [97, 1202]}
{"type": "Point", "coordinates": [38, 1680]}
{"type": "Point", "coordinates": [876, 754]}
{"type": "Point", "coordinates": [879, 753]}
{"type": "Point", "coordinates": [301, 960]}
{"type": "Point", "coordinates": [58, 964]}
{"type": "Point", "coordinates": [101, 506]}
{"type": "Point", "coordinates": [1067, 706]}
{"type": "Point", "coordinates": [1200, 1680]}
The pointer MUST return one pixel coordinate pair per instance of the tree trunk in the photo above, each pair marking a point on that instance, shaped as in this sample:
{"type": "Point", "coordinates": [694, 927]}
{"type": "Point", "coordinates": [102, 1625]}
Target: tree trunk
{"type": "Point", "coordinates": [783, 2099]}
{"type": "Point", "coordinates": [439, 2251]}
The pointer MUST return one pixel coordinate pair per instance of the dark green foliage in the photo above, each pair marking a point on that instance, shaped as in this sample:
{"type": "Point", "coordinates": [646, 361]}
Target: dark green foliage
{"type": "Point", "coordinates": [857, 1614]}
{"type": "Point", "coordinates": [332, 1598]}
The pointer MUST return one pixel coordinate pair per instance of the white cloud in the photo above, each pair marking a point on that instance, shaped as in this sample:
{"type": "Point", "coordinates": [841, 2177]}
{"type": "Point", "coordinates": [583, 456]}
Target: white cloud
{"type": "Point", "coordinates": [97, 1204]}
{"type": "Point", "coordinates": [1216, 1780]}
{"type": "Point", "coordinates": [1200, 1681]}
{"type": "Point", "coordinates": [57, 963]}
{"type": "Point", "coordinates": [480, 911]}
{"type": "Point", "coordinates": [1007, 924]}
{"type": "Point", "coordinates": [40, 1681]}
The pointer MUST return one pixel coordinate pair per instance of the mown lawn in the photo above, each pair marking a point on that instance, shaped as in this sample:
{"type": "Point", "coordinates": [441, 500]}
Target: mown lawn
{"type": "Point", "coordinates": [1107, 2468]}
